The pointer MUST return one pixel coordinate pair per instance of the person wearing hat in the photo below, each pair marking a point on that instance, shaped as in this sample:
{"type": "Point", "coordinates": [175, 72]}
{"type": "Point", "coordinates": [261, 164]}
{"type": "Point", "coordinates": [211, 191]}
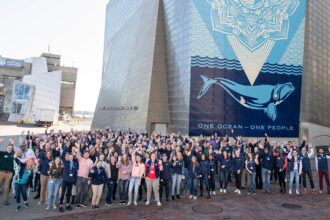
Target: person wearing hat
{"type": "Point", "coordinates": [22, 172]}
{"type": "Point", "coordinates": [6, 169]}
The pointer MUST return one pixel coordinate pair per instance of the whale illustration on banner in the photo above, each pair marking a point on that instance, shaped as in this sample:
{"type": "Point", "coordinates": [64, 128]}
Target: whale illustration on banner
{"type": "Point", "coordinates": [259, 97]}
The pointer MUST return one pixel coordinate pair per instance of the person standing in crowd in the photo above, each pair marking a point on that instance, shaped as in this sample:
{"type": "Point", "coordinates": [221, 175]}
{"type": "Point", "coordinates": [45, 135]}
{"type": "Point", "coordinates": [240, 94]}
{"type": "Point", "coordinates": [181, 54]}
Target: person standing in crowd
{"type": "Point", "coordinates": [250, 166]}
{"type": "Point", "coordinates": [85, 165]}
{"type": "Point", "coordinates": [112, 183]}
{"type": "Point", "coordinates": [177, 165]}
{"type": "Point", "coordinates": [281, 164]}
{"type": "Point", "coordinates": [124, 172]}
{"type": "Point", "coordinates": [69, 178]}
{"type": "Point", "coordinates": [238, 165]}
{"type": "Point", "coordinates": [244, 171]}
{"type": "Point", "coordinates": [225, 163]}
{"type": "Point", "coordinates": [295, 167]}
{"type": "Point", "coordinates": [205, 172]}
{"type": "Point", "coordinates": [22, 173]}
{"type": "Point", "coordinates": [153, 168]}
{"type": "Point", "coordinates": [46, 161]}
{"type": "Point", "coordinates": [55, 173]}
{"type": "Point", "coordinates": [36, 182]}
{"type": "Point", "coordinates": [137, 174]}
{"type": "Point", "coordinates": [306, 167]}
{"type": "Point", "coordinates": [6, 169]}
{"type": "Point", "coordinates": [165, 178]}
{"type": "Point", "coordinates": [321, 162]}
{"type": "Point", "coordinates": [194, 172]}
{"type": "Point", "coordinates": [213, 166]}
{"type": "Point", "coordinates": [97, 177]}
{"type": "Point", "coordinates": [186, 159]}
{"type": "Point", "coordinates": [258, 168]}
{"type": "Point", "coordinates": [266, 168]}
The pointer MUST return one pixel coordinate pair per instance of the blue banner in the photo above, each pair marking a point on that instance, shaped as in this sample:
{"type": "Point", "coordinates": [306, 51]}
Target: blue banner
{"type": "Point", "coordinates": [246, 67]}
{"type": "Point", "coordinates": [11, 63]}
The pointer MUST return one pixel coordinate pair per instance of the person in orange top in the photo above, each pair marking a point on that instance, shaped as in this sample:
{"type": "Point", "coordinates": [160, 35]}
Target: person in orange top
{"type": "Point", "coordinates": [281, 164]}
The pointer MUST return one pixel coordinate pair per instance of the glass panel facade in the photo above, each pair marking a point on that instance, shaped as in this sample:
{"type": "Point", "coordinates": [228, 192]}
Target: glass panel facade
{"type": "Point", "coordinates": [127, 64]}
{"type": "Point", "coordinates": [178, 19]}
{"type": "Point", "coordinates": [315, 102]}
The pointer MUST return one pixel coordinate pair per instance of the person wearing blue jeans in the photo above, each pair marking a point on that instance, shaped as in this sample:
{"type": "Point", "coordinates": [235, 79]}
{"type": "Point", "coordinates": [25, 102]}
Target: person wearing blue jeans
{"type": "Point", "coordinates": [111, 186]}
{"type": "Point", "coordinates": [265, 180]}
{"type": "Point", "coordinates": [53, 188]}
{"type": "Point", "coordinates": [266, 168]}
{"type": "Point", "coordinates": [133, 183]}
{"type": "Point", "coordinates": [136, 176]}
{"type": "Point", "coordinates": [54, 182]}
{"type": "Point", "coordinates": [177, 168]}
{"type": "Point", "coordinates": [123, 186]}
{"type": "Point", "coordinates": [295, 168]}
{"type": "Point", "coordinates": [225, 163]}
{"type": "Point", "coordinates": [194, 172]}
{"type": "Point", "coordinates": [186, 180]}
{"type": "Point", "coordinates": [250, 166]}
{"type": "Point", "coordinates": [20, 179]}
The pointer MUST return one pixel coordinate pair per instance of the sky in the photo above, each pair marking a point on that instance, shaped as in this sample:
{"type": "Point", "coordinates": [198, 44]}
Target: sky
{"type": "Point", "coordinates": [72, 28]}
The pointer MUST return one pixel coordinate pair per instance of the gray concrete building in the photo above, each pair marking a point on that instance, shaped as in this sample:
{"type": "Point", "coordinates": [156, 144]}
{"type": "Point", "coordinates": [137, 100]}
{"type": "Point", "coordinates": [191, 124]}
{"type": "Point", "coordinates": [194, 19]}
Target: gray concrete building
{"type": "Point", "coordinates": [68, 84]}
{"type": "Point", "coordinates": [147, 68]}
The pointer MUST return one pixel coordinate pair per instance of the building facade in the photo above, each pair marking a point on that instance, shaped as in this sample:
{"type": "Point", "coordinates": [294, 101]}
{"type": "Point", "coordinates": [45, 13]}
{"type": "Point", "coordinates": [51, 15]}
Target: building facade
{"type": "Point", "coordinates": [198, 66]}
{"type": "Point", "coordinates": [15, 69]}
{"type": "Point", "coordinates": [11, 70]}
{"type": "Point", "coordinates": [68, 83]}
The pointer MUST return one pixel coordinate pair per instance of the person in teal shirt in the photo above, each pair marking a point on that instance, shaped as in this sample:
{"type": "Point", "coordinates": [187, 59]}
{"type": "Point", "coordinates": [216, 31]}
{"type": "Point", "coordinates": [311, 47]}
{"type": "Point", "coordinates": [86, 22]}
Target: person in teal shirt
{"type": "Point", "coordinates": [22, 173]}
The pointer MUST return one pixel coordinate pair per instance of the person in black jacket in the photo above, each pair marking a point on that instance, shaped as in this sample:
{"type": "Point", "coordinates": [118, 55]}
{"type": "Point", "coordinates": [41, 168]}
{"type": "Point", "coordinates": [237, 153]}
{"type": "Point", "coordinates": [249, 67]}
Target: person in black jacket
{"type": "Point", "coordinates": [266, 168]}
{"type": "Point", "coordinates": [205, 172]}
{"type": "Point", "coordinates": [68, 179]}
{"type": "Point", "coordinates": [213, 167]}
{"type": "Point", "coordinates": [98, 177]}
{"type": "Point", "coordinates": [194, 172]}
{"type": "Point", "coordinates": [165, 176]}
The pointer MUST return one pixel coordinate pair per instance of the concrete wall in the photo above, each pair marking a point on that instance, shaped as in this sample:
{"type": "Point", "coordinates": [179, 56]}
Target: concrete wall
{"type": "Point", "coordinates": [158, 99]}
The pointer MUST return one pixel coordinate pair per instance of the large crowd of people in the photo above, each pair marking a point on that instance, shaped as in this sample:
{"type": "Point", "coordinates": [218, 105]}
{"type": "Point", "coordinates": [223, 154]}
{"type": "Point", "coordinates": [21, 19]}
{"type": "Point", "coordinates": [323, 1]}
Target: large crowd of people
{"type": "Point", "coordinates": [77, 167]}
